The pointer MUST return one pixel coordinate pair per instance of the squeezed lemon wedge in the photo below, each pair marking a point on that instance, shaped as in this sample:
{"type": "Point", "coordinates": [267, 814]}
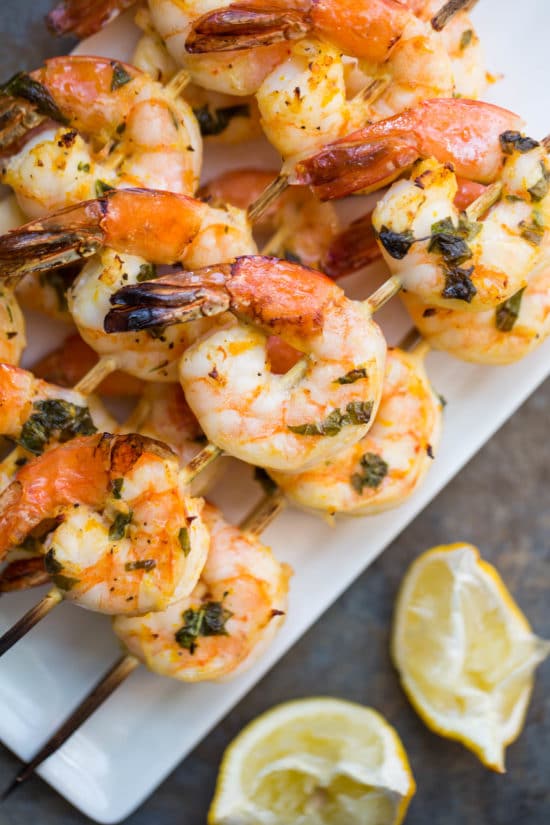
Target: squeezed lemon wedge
{"type": "Point", "coordinates": [317, 761]}
{"type": "Point", "coordinates": [465, 652]}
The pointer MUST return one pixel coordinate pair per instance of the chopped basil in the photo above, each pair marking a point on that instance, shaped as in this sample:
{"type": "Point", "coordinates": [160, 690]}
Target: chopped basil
{"type": "Point", "coordinates": [511, 142]}
{"type": "Point", "coordinates": [396, 244]}
{"type": "Point", "coordinates": [450, 241]}
{"type": "Point", "coordinates": [54, 417]}
{"type": "Point", "coordinates": [216, 121]}
{"type": "Point", "coordinates": [208, 620]}
{"type": "Point", "coordinates": [120, 77]}
{"type": "Point", "coordinates": [184, 540]}
{"type": "Point", "coordinates": [466, 39]}
{"type": "Point", "coordinates": [442, 400]}
{"type": "Point", "coordinates": [64, 582]}
{"type": "Point", "coordinates": [352, 376]}
{"type": "Point", "coordinates": [144, 564]}
{"type": "Point", "coordinates": [357, 412]}
{"type": "Point", "coordinates": [101, 188]}
{"type": "Point", "coordinates": [117, 530]}
{"type": "Point", "coordinates": [540, 188]}
{"type": "Point", "coordinates": [458, 284]}
{"type": "Point", "coordinates": [147, 272]}
{"type": "Point", "coordinates": [532, 232]}
{"type": "Point", "coordinates": [116, 487]}
{"type": "Point", "coordinates": [507, 313]}
{"type": "Point", "coordinates": [83, 167]}
{"type": "Point", "coordinates": [373, 470]}
{"type": "Point", "coordinates": [266, 482]}
{"type": "Point", "coordinates": [157, 332]}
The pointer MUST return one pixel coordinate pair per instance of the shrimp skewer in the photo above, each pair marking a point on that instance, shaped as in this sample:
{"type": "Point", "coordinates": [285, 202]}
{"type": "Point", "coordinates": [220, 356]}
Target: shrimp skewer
{"type": "Point", "coordinates": [131, 230]}
{"type": "Point", "coordinates": [388, 464]}
{"type": "Point", "coordinates": [269, 422]}
{"type": "Point", "coordinates": [130, 540]}
{"type": "Point", "coordinates": [229, 633]}
{"type": "Point", "coordinates": [451, 260]}
{"type": "Point", "coordinates": [464, 133]}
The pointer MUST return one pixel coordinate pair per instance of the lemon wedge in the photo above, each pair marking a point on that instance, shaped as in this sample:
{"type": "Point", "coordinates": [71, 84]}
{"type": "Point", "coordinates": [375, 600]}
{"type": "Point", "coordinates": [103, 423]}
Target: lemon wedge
{"type": "Point", "coordinates": [465, 652]}
{"type": "Point", "coordinates": [316, 761]}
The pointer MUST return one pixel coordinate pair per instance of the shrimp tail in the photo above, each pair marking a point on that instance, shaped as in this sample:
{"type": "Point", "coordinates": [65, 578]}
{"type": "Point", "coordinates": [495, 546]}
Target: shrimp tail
{"type": "Point", "coordinates": [352, 249]}
{"type": "Point", "coordinates": [155, 225]}
{"type": "Point", "coordinates": [23, 574]}
{"type": "Point", "coordinates": [448, 11]}
{"type": "Point", "coordinates": [352, 164]}
{"type": "Point", "coordinates": [41, 246]}
{"type": "Point", "coordinates": [243, 26]}
{"type": "Point", "coordinates": [22, 85]}
{"type": "Point", "coordinates": [84, 17]}
{"type": "Point", "coordinates": [173, 299]}
{"type": "Point", "coordinates": [271, 292]}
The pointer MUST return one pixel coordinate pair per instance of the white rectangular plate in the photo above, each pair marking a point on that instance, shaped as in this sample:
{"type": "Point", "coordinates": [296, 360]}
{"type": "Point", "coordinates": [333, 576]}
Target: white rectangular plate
{"type": "Point", "coordinates": [127, 748]}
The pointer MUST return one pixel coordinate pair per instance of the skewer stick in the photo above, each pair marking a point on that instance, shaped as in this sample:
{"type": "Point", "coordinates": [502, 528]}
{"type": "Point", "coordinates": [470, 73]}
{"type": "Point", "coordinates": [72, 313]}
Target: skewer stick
{"type": "Point", "coordinates": [383, 294]}
{"type": "Point", "coordinates": [270, 193]}
{"type": "Point", "coordinates": [99, 693]}
{"type": "Point", "coordinates": [448, 11]}
{"type": "Point", "coordinates": [484, 202]}
{"type": "Point", "coordinates": [30, 619]}
{"type": "Point", "coordinates": [261, 516]}
{"type": "Point", "coordinates": [93, 378]}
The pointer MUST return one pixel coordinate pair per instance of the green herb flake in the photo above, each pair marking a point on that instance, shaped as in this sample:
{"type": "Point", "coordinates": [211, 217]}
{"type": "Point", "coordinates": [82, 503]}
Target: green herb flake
{"type": "Point", "coordinates": [117, 530]}
{"type": "Point", "coordinates": [120, 77]}
{"type": "Point", "coordinates": [442, 400]}
{"type": "Point", "coordinates": [450, 241]}
{"type": "Point", "coordinates": [373, 470]}
{"type": "Point", "coordinates": [466, 39]}
{"type": "Point", "coordinates": [51, 564]}
{"type": "Point", "coordinates": [265, 481]}
{"type": "Point", "coordinates": [116, 487]}
{"type": "Point", "coordinates": [511, 141]}
{"type": "Point", "coordinates": [83, 167]}
{"type": "Point", "coordinates": [208, 620]}
{"type": "Point", "coordinates": [64, 582]}
{"type": "Point", "coordinates": [147, 272]}
{"type": "Point", "coordinates": [459, 285]}
{"type": "Point", "coordinates": [532, 232]}
{"type": "Point", "coordinates": [101, 188]}
{"type": "Point", "coordinates": [396, 244]}
{"type": "Point", "coordinates": [216, 121]}
{"type": "Point", "coordinates": [184, 540]}
{"type": "Point", "coordinates": [540, 188]}
{"type": "Point", "coordinates": [356, 412]}
{"type": "Point", "coordinates": [144, 564]}
{"type": "Point", "coordinates": [352, 376]}
{"type": "Point", "coordinates": [57, 418]}
{"type": "Point", "coordinates": [507, 313]}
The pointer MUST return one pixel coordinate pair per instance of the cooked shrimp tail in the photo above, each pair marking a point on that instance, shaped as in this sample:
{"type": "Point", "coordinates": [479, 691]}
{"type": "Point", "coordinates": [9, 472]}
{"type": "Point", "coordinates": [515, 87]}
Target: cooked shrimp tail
{"type": "Point", "coordinates": [243, 26]}
{"type": "Point", "coordinates": [84, 17]}
{"type": "Point", "coordinates": [23, 574]}
{"type": "Point", "coordinates": [155, 225]}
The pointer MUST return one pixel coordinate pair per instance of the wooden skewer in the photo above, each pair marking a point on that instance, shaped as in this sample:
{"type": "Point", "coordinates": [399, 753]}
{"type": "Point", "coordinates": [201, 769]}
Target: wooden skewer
{"type": "Point", "coordinates": [257, 520]}
{"type": "Point", "coordinates": [30, 619]}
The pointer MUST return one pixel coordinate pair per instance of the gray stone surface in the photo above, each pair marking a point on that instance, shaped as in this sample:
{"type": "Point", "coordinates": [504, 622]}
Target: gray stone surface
{"type": "Point", "coordinates": [499, 502]}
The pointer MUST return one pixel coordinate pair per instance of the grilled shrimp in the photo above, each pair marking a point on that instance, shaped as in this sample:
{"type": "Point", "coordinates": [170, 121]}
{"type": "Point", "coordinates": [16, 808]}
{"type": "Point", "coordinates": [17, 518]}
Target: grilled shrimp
{"type": "Point", "coordinates": [13, 337]}
{"type": "Point", "coordinates": [387, 465]}
{"type": "Point", "coordinates": [131, 230]}
{"type": "Point", "coordinates": [298, 225]}
{"type": "Point", "coordinates": [116, 128]}
{"type": "Point", "coordinates": [447, 259]}
{"type": "Point", "coordinates": [84, 17]}
{"type": "Point", "coordinates": [465, 133]}
{"type": "Point", "coordinates": [501, 335]}
{"type": "Point", "coordinates": [284, 422]}
{"type": "Point", "coordinates": [127, 538]}
{"type": "Point", "coordinates": [226, 622]}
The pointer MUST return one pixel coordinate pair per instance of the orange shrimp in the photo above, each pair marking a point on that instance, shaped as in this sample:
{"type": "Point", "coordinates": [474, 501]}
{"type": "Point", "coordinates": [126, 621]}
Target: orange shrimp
{"type": "Point", "coordinates": [126, 539]}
